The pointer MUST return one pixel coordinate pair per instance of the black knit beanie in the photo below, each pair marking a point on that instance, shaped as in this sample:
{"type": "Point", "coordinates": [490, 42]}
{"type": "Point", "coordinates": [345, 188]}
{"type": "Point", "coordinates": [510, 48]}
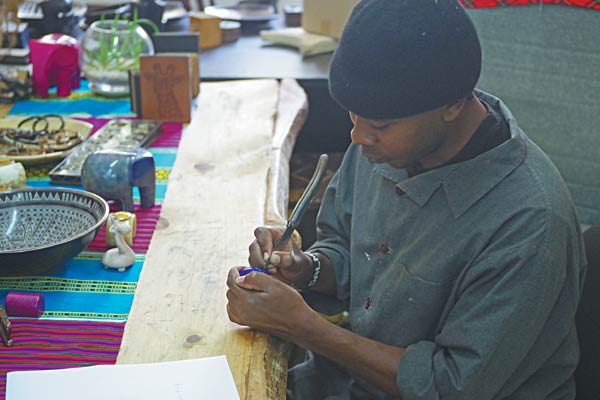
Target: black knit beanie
{"type": "Point", "coordinates": [398, 58]}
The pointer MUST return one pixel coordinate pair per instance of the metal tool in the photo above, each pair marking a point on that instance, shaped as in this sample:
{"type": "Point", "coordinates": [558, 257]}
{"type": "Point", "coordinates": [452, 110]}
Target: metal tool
{"type": "Point", "coordinates": [302, 205]}
{"type": "Point", "coordinates": [5, 328]}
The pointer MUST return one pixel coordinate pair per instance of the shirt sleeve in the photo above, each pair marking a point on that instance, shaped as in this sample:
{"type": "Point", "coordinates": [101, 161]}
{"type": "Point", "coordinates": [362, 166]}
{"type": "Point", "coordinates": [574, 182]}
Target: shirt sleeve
{"type": "Point", "coordinates": [505, 301]}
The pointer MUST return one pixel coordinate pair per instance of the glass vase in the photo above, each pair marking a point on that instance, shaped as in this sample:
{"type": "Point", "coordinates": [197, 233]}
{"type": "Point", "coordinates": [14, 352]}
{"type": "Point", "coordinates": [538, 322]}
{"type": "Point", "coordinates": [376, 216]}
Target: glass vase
{"type": "Point", "coordinates": [110, 49]}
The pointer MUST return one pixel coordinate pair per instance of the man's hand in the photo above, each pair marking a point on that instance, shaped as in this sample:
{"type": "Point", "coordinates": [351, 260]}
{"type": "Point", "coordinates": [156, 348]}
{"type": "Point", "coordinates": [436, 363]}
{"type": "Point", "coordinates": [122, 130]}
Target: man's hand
{"type": "Point", "coordinates": [290, 265]}
{"type": "Point", "coordinates": [266, 304]}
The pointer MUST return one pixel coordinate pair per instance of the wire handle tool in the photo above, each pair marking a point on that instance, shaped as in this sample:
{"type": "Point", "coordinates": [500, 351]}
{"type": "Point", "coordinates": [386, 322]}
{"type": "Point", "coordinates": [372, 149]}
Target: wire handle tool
{"type": "Point", "coordinates": [296, 214]}
{"type": "Point", "coordinates": [302, 205]}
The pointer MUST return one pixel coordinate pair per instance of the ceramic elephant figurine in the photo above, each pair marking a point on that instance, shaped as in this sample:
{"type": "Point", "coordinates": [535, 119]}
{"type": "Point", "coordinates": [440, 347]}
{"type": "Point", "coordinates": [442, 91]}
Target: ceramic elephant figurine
{"type": "Point", "coordinates": [55, 62]}
{"type": "Point", "coordinates": [112, 174]}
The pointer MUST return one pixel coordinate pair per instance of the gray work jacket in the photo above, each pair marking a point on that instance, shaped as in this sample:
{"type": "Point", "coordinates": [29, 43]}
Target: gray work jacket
{"type": "Point", "coordinates": [475, 268]}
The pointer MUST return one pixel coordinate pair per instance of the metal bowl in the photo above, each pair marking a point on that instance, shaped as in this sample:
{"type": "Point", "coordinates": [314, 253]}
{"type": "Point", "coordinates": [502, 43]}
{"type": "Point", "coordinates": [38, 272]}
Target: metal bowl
{"type": "Point", "coordinates": [43, 228]}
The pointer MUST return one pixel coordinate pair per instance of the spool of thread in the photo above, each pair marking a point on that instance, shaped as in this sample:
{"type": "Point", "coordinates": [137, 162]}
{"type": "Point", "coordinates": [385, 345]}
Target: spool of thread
{"type": "Point", "coordinates": [24, 304]}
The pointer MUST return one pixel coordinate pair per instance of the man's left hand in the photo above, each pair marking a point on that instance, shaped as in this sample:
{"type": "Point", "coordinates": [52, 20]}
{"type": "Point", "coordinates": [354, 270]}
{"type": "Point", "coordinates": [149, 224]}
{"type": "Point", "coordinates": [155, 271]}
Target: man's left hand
{"type": "Point", "coordinates": [265, 303]}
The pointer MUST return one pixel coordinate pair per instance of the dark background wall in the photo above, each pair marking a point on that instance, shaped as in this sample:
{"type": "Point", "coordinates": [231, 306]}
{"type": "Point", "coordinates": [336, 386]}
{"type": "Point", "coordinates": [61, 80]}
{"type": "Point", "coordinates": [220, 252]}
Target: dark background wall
{"type": "Point", "coordinates": [543, 61]}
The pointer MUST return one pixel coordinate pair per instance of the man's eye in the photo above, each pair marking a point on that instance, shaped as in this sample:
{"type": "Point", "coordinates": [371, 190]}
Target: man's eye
{"type": "Point", "coordinates": [380, 127]}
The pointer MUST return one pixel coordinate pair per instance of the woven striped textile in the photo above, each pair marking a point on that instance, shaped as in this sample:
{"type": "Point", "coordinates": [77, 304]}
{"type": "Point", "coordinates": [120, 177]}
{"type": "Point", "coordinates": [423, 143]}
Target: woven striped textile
{"type": "Point", "coordinates": [82, 102]}
{"type": "Point", "coordinates": [86, 305]}
{"type": "Point", "coordinates": [43, 344]}
{"type": "Point", "coordinates": [146, 220]}
{"type": "Point", "coordinates": [83, 289]}
{"type": "Point", "coordinates": [592, 4]}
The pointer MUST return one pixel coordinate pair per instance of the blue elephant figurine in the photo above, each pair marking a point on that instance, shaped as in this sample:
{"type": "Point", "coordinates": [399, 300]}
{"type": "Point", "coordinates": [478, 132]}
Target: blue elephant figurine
{"type": "Point", "coordinates": [112, 174]}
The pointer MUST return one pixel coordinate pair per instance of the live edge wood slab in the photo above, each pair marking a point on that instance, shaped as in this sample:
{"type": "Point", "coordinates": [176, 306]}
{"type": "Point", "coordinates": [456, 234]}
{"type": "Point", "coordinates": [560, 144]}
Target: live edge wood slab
{"type": "Point", "coordinates": [230, 176]}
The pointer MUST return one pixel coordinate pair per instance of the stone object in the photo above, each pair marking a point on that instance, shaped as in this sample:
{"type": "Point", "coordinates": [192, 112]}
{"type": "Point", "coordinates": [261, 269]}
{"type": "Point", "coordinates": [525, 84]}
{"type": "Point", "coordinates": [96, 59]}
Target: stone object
{"type": "Point", "coordinates": [112, 174]}
{"type": "Point", "coordinates": [122, 256]}
{"type": "Point", "coordinates": [12, 175]}
{"type": "Point", "coordinates": [122, 216]}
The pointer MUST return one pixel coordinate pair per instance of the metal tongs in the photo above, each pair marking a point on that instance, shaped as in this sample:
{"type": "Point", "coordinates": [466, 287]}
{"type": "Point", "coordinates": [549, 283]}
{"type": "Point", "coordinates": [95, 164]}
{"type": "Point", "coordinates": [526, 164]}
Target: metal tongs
{"type": "Point", "coordinates": [5, 328]}
{"type": "Point", "coordinates": [302, 205]}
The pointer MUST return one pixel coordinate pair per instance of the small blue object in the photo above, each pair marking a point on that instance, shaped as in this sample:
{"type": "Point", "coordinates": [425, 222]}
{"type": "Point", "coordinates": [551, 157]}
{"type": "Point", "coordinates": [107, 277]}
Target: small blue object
{"type": "Point", "coordinates": [247, 270]}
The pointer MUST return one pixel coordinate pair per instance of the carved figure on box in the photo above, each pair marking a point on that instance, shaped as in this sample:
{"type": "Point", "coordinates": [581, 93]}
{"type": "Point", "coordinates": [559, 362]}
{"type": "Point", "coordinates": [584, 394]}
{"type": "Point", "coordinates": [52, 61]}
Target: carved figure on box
{"type": "Point", "coordinates": [55, 60]}
{"type": "Point", "coordinates": [112, 174]}
{"type": "Point", "coordinates": [163, 82]}
{"type": "Point", "coordinates": [122, 256]}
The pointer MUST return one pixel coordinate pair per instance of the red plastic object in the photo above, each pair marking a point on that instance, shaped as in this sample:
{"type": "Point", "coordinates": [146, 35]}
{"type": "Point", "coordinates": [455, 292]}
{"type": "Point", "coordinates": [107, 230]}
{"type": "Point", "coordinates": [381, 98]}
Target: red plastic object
{"type": "Point", "coordinates": [55, 60]}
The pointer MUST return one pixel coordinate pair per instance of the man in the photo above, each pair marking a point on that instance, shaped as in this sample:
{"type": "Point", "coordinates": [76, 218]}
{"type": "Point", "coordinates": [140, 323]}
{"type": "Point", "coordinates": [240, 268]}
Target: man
{"type": "Point", "coordinates": [449, 235]}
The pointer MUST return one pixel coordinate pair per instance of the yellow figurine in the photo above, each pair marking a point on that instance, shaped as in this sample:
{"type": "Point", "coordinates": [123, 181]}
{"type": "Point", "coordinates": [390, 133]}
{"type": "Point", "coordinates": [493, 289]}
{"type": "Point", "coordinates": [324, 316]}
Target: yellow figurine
{"type": "Point", "coordinates": [122, 216]}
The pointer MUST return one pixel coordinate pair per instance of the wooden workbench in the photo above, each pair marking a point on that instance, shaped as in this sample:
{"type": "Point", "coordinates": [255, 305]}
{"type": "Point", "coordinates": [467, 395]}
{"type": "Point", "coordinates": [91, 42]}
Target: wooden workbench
{"type": "Point", "coordinates": [231, 175]}
{"type": "Point", "coordinates": [4, 109]}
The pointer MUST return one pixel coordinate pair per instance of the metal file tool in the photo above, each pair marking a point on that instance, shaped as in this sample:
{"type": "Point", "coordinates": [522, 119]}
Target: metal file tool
{"type": "Point", "coordinates": [302, 205]}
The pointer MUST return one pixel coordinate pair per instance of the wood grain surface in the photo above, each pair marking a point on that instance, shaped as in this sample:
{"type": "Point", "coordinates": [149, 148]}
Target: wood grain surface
{"type": "Point", "coordinates": [217, 195]}
{"type": "Point", "coordinates": [4, 109]}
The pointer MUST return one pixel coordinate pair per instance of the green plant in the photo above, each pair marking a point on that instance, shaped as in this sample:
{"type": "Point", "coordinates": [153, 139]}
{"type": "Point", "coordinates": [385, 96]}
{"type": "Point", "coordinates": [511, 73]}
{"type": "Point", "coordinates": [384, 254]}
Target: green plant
{"type": "Point", "coordinates": [119, 49]}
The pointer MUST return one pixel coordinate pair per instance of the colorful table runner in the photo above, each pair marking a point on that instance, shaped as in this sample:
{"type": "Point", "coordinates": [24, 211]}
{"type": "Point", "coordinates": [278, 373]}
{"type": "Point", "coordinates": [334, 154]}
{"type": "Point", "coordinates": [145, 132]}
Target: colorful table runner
{"type": "Point", "coordinates": [593, 4]}
{"type": "Point", "coordinates": [86, 305]}
{"type": "Point", "coordinates": [84, 289]}
{"type": "Point", "coordinates": [81, 103]}
{"type": "Point", "coordinates": [43, 345]}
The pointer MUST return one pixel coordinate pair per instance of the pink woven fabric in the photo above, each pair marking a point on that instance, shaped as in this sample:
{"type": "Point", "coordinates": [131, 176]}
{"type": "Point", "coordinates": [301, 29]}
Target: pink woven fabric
{"type": "Point", "coordinates": [46, 344]}
{"type": "Point", "coordinates": [591, 4]}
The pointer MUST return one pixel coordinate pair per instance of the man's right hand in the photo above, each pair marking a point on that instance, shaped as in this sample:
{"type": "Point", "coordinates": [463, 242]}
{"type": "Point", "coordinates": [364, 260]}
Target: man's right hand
{"type": "Point", "coordinates": [289, 265]}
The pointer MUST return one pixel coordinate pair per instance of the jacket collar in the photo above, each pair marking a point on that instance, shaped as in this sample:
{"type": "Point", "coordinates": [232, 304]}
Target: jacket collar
{"type": "Point", "coordinates": [465, 183]}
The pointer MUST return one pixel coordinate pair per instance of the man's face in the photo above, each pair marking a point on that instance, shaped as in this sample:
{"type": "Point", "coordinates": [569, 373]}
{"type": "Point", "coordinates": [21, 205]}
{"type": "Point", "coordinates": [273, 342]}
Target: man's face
{"type": "Point", "coordinates": [400, 142]}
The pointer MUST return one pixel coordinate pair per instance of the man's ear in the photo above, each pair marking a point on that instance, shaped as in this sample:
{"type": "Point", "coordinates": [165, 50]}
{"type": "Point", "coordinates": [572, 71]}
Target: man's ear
{"type": "Point", "coordinates": [452, 111]}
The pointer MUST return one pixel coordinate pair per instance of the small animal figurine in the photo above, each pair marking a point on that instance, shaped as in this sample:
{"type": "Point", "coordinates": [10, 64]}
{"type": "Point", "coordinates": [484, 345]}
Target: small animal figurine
{"type": "Point", "coordinates": [122, 256]}
{"type": "Point", "coordinates": [55, 62]}
{"type": "Point", "coordinates": [123, 216]}
{"type": "Point", "coordinates": [112, 174]}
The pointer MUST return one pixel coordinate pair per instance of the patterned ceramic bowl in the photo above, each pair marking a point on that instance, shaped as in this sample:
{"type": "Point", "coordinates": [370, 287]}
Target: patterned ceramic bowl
{"type": "Point", "coordinates": [42, 228]}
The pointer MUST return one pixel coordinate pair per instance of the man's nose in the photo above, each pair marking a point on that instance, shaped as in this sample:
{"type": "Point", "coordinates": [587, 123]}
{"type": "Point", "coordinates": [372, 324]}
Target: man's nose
{"type": "Point", "coordinates": [360, 133]}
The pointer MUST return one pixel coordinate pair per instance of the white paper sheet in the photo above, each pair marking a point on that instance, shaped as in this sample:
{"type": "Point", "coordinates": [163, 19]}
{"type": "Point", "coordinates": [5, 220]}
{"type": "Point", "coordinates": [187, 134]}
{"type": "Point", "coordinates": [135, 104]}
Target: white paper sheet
{"type": "Point", "coordinates": [198, 379]}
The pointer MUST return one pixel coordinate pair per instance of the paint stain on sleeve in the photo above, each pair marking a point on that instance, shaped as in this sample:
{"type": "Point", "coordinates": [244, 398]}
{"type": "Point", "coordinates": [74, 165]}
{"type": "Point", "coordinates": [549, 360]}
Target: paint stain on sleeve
{"type": "Point", "coordinates": [384, 248]}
